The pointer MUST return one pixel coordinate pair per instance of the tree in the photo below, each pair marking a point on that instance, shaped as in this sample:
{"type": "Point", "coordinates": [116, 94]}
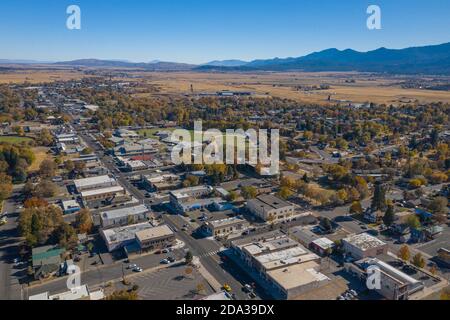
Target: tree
{"type": "Point", "coordinates": [379, 197]}
{"type": "Point", "coordinates": [45, 138]}
{"type": "Point", "coordinates": [47, 169]}
{"type": "Point", "coordinates": [86, 151]}
{"type": "Point", "coordinates": [189, 257]}
{"type": "Point", "coordinates": [249, 192]}
{"type": "Point", "coordinates": [389, 217]}
{"type": "Point", "coordinates": [6, 186]}
{"type": "Point", "coordinates": [326, 224]}
{"type": "Point", "coordinates": [404, 253]}
{"type": "Point", "coordinates": [285, 193]}
{"type": "Point", "coordinates": [38, 225]}
{"type": "Point", "coordinates": [123, 295]}
{"type": "Point", "coordinates": [232, 196]}
{"type": "Point", "coordinates": [69, 166]}
{"type": "Point", "coordinates": [45, 189]}
{"type": "Point", "coordinates": [35, 203]}
{"type": "Point", "coordinates": [66, 236]}
{"type": "Point", "coordinates": [438, 205]}
{"type": "Point", "coordinates": [84, 221]}
{"type": "Point", "coordinates": [356, 208]}
{"type": "Point", "coordinates": [418, 261]}
{"type": "Point", "coordinates": [413, 222]}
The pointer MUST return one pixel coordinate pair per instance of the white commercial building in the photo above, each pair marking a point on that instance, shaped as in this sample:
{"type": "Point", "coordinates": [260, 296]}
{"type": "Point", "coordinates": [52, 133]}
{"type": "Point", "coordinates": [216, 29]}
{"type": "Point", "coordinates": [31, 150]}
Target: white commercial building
{"type": "Point", "coordinates": [121, 217]}
{"type": "Point", "coordinates": [94, 183]}
{"type": "Point", "coordinates": [364, 245]}
{"type": "Point", "coordinates": [118, 238]}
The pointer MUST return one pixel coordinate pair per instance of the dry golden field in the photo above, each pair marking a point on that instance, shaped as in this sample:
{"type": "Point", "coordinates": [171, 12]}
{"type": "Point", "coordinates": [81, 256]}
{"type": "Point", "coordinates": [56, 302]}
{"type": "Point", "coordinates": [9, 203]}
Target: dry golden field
{"type": "Point", "coordinates": [366, 88]}
{"type": "Point", "coordinates": [283, 85]}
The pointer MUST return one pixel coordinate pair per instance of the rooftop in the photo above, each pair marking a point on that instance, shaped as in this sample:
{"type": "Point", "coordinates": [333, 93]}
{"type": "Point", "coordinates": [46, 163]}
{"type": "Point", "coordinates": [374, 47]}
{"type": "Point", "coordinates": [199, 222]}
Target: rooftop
{"type": "Point", "coordinates": [226, 222]}
{"type": "Point", "coordinates": [121, 234]}
{"type": "Point", "coordinates": [101, 191]}
{"type": "Point", "coordinates": [87, 182]}
{"type": "Point", "coordinates": [364, 241]}
{"type": "Point", "coordinates": [297, 275]}
{"type": "Point", "coordinates": [156, 232]}
{"type": "Point", "coordinates": [269, 202]}
{"type": "Point", "coordinates": [124, 212]}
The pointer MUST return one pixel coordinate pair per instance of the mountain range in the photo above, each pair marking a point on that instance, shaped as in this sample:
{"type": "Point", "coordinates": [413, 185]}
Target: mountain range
{"type": "Point", "coordinates": [434, 59]}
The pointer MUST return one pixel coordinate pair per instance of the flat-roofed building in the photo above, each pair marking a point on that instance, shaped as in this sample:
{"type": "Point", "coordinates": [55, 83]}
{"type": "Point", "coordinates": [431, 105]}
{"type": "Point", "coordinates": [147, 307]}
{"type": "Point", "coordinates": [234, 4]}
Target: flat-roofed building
{"type": "Point", "coordinates": [364, 245]}
{"type": "Point", "coordinates": [70, 206]}
{"type": "Point", "coordinates": [270, 208]}
{"type": "Point", "coordinates": [284, 267]}
{"type": "Point", "coordinates": [159, 237]}
{"type": "Point", "coordinates": [118, 238]}
{"type": "Point", "coordinates": [225, 227]}
{"type": "Point", "coordinates": [322, 246]}
{"type": "Point", "coordinates": [94, 183]}
{"type": "Point", "coordinates": [161, 182]}
{"type": "Point", "coordinates": [115, 194]}
{"type": "Point", "coordinates": [124, 216]}
{"type": "Point", "coordinates": [188, 199]}
{"type": "Point", "coordinates": [394, 284]}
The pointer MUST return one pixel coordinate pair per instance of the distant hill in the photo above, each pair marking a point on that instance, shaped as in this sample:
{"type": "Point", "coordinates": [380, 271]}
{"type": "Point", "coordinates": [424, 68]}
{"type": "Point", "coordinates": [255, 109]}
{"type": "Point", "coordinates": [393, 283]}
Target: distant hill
{"type": "Point", "coordinates": [152, 66]}
{"type": "Point", "coordinates": [427, 60]}
{"type": "Point", "coordinates": [433, 59]}
{"type": "Point", "coordinates": [226, 63]}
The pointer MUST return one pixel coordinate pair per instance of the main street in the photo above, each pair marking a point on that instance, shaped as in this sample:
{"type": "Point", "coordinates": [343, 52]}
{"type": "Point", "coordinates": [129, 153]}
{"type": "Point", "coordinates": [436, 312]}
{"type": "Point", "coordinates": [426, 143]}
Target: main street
{"type": "Point", "coordinates": [10, 287]}
{"type": "Point", "coordinates": [206, 250]}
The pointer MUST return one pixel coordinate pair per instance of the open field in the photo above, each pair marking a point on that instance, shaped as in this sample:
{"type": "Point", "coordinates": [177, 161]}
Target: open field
{"type": "Point", "coordinates": [366, 88]}
{"type": "Point", "coordinates": [14, 139]}
{"type": "Point", "coordinates": [41, 155]}
{"type": "Point", "coordinates": [344, 86]}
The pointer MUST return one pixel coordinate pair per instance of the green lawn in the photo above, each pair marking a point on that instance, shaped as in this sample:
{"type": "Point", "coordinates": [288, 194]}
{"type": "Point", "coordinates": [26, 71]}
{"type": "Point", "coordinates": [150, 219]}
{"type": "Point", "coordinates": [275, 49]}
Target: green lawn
{"type": "Point", "coordinates": [150, 133]}
{"type": "Point", "coordinates": [14, 139]}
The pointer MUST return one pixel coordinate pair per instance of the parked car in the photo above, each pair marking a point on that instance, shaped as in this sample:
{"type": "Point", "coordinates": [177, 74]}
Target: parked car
{"type": "Point", "coordinates": [171, 259]}
{"type": "Point", "coordinates": [138, 269]}
{"type": "Point", "coordinates": [132, 266]}
{"type": "Point", "coordinates": [227, 288]}
{"type": "Point", "coordinates": [165, 261]}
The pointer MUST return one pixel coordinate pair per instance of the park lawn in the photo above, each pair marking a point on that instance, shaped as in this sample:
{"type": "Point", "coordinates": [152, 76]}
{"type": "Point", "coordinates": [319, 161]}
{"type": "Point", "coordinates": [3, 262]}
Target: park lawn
{"type": "Point", "coordinates": [151, 133]}
{"type": "Point", "coordinates": [14, 139]}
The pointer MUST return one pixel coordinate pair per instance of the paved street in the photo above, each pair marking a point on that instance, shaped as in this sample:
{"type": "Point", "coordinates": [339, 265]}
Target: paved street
{"type": "Point", "coordinates": [10, 287]}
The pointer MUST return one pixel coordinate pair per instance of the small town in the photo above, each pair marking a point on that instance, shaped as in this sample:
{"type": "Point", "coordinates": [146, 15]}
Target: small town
{"type": "Point", "coordinates": [217, 159]}
{"type": "Point", "coordinates": [89, 191]}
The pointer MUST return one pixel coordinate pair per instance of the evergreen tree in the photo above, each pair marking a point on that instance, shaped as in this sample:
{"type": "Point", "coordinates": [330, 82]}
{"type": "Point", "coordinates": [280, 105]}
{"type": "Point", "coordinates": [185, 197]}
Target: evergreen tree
{"type": "Point", "coordinates": [379, 197]}
{"type": "Point", "coordinates": [389, 217]}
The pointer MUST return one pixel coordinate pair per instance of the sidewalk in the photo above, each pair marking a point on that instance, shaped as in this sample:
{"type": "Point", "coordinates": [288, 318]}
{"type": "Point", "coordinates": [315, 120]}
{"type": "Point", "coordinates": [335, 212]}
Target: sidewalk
{"type": "Point", "coordinates": [213, 283]}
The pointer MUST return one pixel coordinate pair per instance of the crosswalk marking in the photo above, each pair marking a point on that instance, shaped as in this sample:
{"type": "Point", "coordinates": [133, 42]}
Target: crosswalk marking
{"type": "Point", "coordinates": [209, 254]}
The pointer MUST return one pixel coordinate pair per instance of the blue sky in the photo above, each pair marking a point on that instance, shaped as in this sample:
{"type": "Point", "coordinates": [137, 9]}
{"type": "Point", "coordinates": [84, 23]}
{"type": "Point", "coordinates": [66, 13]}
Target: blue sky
{"type": "Point", "coordinates": [198, 31]}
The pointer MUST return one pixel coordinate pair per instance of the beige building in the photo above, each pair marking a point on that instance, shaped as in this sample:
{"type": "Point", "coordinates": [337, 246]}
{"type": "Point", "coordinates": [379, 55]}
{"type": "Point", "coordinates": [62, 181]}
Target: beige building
{"type": "Point", "coordinates": [285, 268]}
{"type": "Point", "coordinates": [112, 194]}
{"type": "Point", "coordinates": [155, 238]}
{"type": "Point", "coordinates": [225, 227]}
{"type": "Point", "coordinates": [270, 208]}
